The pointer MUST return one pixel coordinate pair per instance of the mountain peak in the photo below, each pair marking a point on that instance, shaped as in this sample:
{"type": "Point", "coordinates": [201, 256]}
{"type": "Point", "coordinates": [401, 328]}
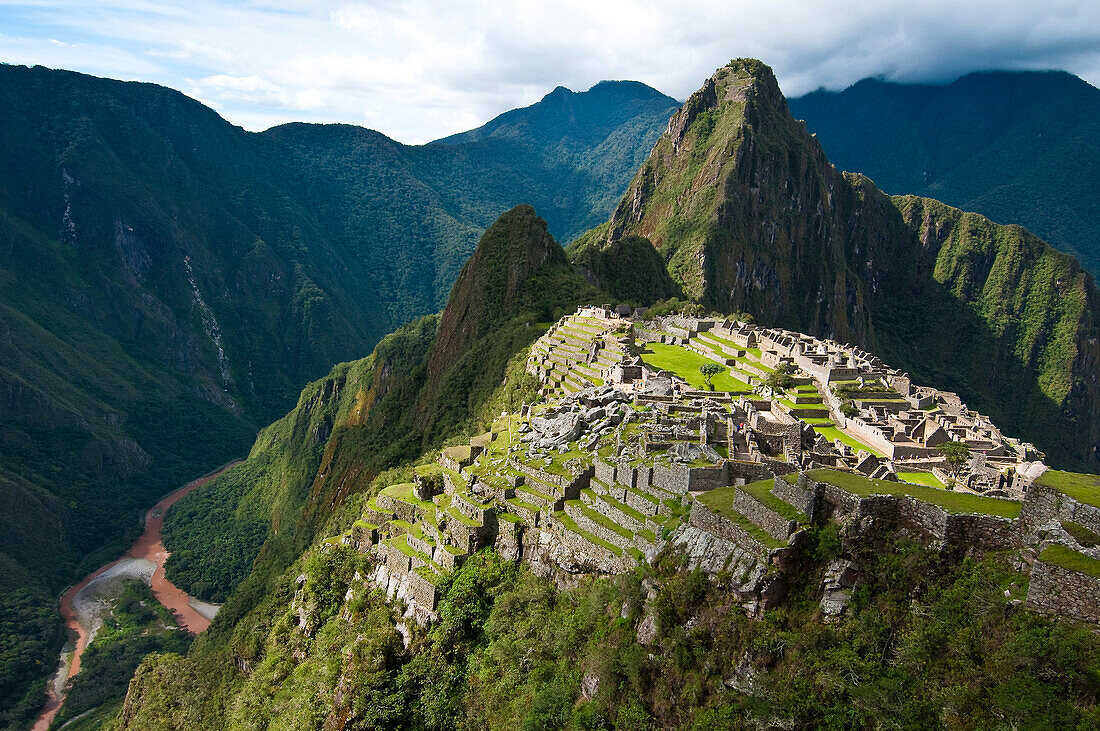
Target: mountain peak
{"type": "Point", "coordinates": [490, 287]}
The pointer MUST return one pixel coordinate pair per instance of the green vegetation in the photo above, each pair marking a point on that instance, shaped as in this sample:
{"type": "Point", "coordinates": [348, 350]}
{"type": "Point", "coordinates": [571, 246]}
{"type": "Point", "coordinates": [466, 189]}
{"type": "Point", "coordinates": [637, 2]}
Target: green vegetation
{"type": "Point", "coordinates": [155, 226]}
{"type": "Point", "coordinates": [762, 491]}
{"type": "Point", "coordinates": [1082, 488]}
{"type": "Point", "coordinates": [1067, 558]}
{"type": "Point", "coordinates": [709, 371]}
{"type": "Point", "coordinates": [136, 625]}
{"type": "Point", "coordinates": [955, 454]}
{"type": "Point", "coordinates": [1081, 534]}
{"type": "Point", "coordinates": [212, 539]}
{"type": "Point", "coordinates": [926, 643]}
{"type": "Point", "coordinates": [952, 502]}
{"type": "Point", "coordinates": [920, 478]}
{"type": "Point", "coordinates": [832, 433]}
{"type": "Point", "coordinates": [779, 380]}
{"type": "Point", "coordinates": [1025, 167]}
{"type": "Point", "coordinates": [980, 297]}
{"type": "Point", "coordinates": [720, 501]}
{"type": "Point", "coordinates": [569, 524]}
{"type": "Point", "coordinates": [686, 364]}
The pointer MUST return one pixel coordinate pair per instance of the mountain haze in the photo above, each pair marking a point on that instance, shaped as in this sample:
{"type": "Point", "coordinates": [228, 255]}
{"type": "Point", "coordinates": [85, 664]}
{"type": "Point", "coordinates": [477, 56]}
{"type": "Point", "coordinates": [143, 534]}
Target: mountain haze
{"type": "Point", "coordinates": [1018, 147]}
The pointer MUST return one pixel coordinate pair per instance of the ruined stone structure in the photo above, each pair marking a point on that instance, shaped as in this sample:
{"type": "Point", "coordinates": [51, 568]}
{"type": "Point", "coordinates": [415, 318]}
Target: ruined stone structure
{"type": "Point", "coordinates": [622, 459]}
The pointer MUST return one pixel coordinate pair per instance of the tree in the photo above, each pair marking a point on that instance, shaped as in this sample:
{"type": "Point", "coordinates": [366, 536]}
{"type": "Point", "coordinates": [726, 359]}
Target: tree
{"type": "Point", "coordinates": [709, 371]}
{"type": "Point", "coordinates": [849, 409]}
{"type": "Point", "coordinates": [956, 454]}
{"type": "Point", "coordinates": [780, 379]}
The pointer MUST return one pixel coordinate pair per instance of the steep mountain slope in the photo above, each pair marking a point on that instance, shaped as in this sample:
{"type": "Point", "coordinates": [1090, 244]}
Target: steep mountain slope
{"type": "Point", "coordinates": [168, 281]}
{"type": "Point", "coordinates": [156, 303]}
{"type": "Point", "coordinates": [435, 379]}
{"type": "Point", "coordinates": [750, 216]}
{"type": "Point", "coordinates": [1019, 147]}
{"type": "Point", "coordinates": [431, 380]}
{"type": "Point", "coordinates": [569, 155]}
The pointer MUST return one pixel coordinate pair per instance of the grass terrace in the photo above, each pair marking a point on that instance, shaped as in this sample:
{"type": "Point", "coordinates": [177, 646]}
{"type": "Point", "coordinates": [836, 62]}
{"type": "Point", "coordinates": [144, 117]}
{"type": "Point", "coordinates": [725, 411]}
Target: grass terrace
{"type": "Point", "coordinates": [620, 506]}
{"type": "Point", "coordinates": [921, 478]}
{"type": "Point", "coordinates": [762, 491]}
{"type": "Point", "coordinates": [1082, 488]}
{"type": "Point", "coordinates": [601, 519]}
{"type": "Point", "coordinates": [1067, 558]}
{"type": "Point", "coordinates": [832, 433]}
{"type": "Point", "coordinates": [569, 524]}
{"type": "Point", "coordinates": [952, 502]}
{"type": "Point", "coordinates": [457, 479]}
{"type": "Point", "coordinates": [460, 453]}
{"type": "Point", "coordinates": [685, 364]}
{"type": "Point", "coordinates": [720, 501]}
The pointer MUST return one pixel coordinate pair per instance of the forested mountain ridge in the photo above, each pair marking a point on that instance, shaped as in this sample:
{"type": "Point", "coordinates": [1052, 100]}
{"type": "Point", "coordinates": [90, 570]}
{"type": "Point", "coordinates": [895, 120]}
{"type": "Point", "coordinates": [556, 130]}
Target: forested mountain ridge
{"type": "Point", "coordinates": [1018, 147]}
{"type": "Point", "coordinates": [170, 281]}
{"type": "Point", "coordinates": [750, 216]}
{"type": "Point", "coordinates": [743, 212]}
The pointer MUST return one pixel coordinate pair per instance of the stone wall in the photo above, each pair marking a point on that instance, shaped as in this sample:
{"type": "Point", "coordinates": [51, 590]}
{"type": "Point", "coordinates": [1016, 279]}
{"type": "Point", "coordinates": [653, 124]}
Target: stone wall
{"type": "Point", "coordinates": [567, 487]}
{"type": "Point", "coordinates": [610, 511]}
{"type": "Point", "coordinates": [419, 544]}
{"type": "Point", "coordinates": [585, 523]}
{"type": "Point", "coordinates": [1043, 504]}
{"type": "Point", "coordinates": [1056, 590]}
{"type": "Point", "coordinates": [679, 479]}
{"type": "Point", "coordinates": [595, 557]}
{"type": "Point", "coordinates": [986, 532]}
{"type": "Point", "coordinates": [448, 560]}
{"type": "Point", "coordinates": [772, 522]}
{"type": "Point", "coordinates": [802, 496]}
{"type": "Point", "coordinates": [475, 512]}
{"type": "Point", "coordinates": [704, 519]}
{"type": "Point", "coordinates": [748, 471]}
{"type": "Point", "coordinates": [422, 591]}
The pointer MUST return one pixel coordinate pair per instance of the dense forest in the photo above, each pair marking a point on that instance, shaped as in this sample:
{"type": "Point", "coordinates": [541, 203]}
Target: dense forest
{"type": "Point", "coordinates": [169, 282]}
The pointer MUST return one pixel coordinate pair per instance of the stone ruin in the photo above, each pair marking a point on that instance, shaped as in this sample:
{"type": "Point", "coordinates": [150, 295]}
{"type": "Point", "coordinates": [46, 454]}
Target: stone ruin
{"type": "Point", "coordinates": [621, 461]}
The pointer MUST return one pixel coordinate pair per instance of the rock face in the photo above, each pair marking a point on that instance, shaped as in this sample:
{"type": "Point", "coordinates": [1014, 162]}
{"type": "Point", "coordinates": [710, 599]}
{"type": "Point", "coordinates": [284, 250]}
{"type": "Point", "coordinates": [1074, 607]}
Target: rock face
{"type": "Point", "coordinates": [749, 215]}
{"type": "Point", "coordinates": [840, 578]}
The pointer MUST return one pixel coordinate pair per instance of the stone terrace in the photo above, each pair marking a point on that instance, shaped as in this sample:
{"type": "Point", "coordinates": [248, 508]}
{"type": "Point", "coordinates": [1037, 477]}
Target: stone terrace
{"type": "Point", "coordinates": [622, 459]}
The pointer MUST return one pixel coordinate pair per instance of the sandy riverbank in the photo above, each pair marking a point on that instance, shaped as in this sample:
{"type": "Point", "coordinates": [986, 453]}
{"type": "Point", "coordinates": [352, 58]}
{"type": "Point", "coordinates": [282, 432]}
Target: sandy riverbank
{"type": "Point", "coordinates": [84, 604]}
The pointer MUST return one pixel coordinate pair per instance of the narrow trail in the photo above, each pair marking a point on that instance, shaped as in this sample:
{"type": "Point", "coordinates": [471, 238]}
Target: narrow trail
{"type": "Point", "coordinates": [149, 546]}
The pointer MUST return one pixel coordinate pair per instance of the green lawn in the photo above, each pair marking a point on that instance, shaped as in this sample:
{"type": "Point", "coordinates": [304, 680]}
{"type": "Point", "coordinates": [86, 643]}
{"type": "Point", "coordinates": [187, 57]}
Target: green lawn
{"type": "Point", "coordinates": [720, 501]}
{"type": "Point", "coordinates": [685, 363]}
{"type": "Point", "coordinates": [1067, 558]}
{"type": "Point", "coordinates": [831, 433]}
{"type": "Point", "coordinates": [818, 421]}
{"type": "Point", "coordinates": [1082, 488]}
{"type": "Point", "coordinates": [762, 491]}
{"type": "Point", "coordinates": [953, 502]}
{"type": "Point", "coordinates": [802, 407]}
{"type": "Point", "coordinates": [719, 339]}
{"type": "Point", "coordinates": [920, 478]}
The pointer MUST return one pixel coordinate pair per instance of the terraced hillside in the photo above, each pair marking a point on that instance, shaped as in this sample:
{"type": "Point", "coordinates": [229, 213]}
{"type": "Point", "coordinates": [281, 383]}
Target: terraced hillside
{"type": "Point", "coordinates": [622, 457]}
{"type": "Point", "coordinates": [577, 352]}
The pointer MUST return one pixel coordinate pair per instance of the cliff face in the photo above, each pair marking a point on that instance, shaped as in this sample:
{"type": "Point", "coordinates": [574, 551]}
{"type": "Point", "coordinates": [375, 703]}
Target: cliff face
{"type": "Point", "coordinates": [745, 208]}
{"type": "Point", "coordinates": [1020, 147]}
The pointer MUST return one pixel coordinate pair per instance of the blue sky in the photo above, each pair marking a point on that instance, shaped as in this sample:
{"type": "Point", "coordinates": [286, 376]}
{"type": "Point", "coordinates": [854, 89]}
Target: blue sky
{"type": "Point", "coordinates": [420, 70]}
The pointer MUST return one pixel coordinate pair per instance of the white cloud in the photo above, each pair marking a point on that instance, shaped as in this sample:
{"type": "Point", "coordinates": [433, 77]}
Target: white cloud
{"type": "Point", "coordinates": [421, 69]}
